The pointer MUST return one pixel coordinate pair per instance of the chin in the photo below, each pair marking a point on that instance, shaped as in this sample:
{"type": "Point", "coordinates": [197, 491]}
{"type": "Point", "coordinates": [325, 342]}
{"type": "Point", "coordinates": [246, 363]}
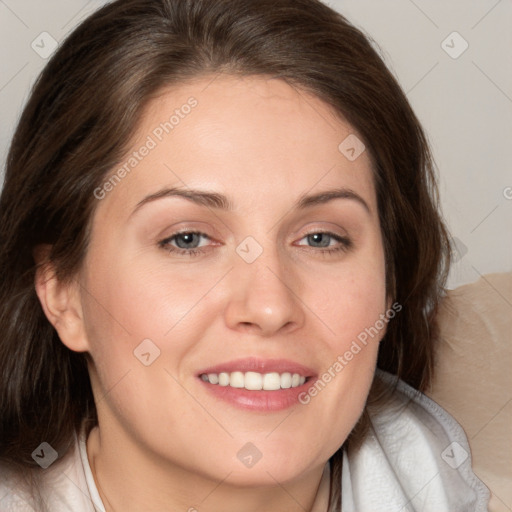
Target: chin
{"type": "Point", "coordinates": [253, 467]}
{"type": "Point", "coordinates": [268, 474]}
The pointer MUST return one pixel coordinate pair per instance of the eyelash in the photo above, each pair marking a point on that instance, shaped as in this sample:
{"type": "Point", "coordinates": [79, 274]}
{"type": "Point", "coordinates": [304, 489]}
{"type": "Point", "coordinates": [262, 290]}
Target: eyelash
{"type": "Point", "coordinates": [345, 244]}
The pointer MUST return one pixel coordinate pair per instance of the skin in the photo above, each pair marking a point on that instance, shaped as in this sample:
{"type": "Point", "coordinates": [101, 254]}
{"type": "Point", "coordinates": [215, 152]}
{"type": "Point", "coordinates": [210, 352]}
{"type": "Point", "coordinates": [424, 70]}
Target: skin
{"type": "Point", "coordinates": [163, 442]}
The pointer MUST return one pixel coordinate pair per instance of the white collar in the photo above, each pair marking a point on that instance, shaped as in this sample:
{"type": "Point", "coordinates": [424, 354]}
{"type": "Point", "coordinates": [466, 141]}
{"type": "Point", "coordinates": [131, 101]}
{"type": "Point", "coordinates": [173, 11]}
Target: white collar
{"type": "Point", "coordinates": [416, 457]}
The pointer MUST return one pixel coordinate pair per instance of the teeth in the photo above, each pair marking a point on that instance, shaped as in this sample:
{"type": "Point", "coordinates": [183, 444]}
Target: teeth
{"type": "Point", "coordinates": [271, 381]}
{"type": "Point", "coordinates": [286, 380]}
{"type": "Point", "coordinates": [213, 378]}
{"type": "Point", "coordinates": [254, 381]}
{"type": "Point", "coordinates": [236, 380]}
{"type": "Point", "coordinates": [223, 379]}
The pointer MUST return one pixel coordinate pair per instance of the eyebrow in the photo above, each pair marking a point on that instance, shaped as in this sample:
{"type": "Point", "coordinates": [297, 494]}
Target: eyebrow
{"type": "Point", "coordinates": [221, 202]}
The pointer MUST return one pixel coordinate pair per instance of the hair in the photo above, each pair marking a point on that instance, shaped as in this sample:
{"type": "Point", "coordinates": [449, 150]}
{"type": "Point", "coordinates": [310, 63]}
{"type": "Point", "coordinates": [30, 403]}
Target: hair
{"type": "Point", "coordinates": [79, 120]}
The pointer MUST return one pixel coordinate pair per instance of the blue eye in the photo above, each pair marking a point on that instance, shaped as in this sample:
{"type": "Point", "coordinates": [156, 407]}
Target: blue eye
{"type": "Point", "coordinates": [188, 243]}
{"type": "Point", "coordinates": [322, 240]}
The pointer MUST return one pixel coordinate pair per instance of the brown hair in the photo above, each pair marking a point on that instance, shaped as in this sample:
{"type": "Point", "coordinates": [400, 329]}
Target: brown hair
{"type": "Point", "coordinates": [77, 124]}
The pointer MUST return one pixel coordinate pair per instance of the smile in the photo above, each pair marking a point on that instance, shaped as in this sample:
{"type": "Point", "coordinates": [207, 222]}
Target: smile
{"type": "Point", "coordinates": [254, 381]}
{"type": "Point", "coordinates": [257, 384]}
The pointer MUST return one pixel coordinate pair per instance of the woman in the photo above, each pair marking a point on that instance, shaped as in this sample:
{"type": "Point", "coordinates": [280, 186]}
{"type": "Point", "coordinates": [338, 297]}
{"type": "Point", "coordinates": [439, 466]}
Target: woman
{"type": "Point", "coordinates": [221, 261]}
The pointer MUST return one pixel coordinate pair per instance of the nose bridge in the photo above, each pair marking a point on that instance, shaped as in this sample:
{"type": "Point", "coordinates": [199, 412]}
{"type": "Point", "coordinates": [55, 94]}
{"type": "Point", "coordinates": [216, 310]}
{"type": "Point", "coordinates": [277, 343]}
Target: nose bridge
{"type": "Point", "coordinates": [263, 296]}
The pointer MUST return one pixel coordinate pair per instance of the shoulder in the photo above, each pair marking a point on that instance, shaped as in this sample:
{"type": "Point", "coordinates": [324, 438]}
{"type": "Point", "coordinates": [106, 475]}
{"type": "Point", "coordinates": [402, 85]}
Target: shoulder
{"type": "Point", "coordinates": [414, 457]}
{"type": "Point", "coordinates": [60, 487]}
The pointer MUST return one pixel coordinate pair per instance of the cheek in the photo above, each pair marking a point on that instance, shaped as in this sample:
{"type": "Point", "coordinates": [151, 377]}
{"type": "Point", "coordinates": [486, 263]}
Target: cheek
{"type": "Point", "coordinates": [133, 312]}
{"type": "Point", "coordinates": [349, 297]}
{"type": "Point", "coordinates": [132, 302]}
{"type": "Point", "coordinates": [352, 307]}
{"type": "Point", "coordinates": [134, 298]}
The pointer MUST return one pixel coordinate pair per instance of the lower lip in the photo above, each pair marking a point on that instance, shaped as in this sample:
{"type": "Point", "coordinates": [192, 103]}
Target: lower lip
{"type": "Point", "coordinates": [263, 401]}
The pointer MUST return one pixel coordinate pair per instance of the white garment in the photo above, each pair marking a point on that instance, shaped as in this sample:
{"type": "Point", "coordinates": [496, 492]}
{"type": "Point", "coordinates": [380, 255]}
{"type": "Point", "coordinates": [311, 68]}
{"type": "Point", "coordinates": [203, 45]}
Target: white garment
{"type": "Point", "coordinates": [415, 458]}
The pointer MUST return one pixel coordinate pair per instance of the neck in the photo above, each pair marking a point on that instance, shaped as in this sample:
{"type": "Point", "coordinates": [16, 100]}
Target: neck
{"type": "Point", "coordinates": [127, 480]}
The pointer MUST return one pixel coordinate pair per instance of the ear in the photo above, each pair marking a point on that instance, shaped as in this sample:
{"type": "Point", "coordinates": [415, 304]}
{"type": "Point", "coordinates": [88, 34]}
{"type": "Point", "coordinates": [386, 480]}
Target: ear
{"type": "Point", "coordinates": [61, 301]}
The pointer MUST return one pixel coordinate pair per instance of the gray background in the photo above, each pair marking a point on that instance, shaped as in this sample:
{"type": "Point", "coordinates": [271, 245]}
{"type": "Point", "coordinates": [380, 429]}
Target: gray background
{"type": "Point", "coordinates": [464, 101]}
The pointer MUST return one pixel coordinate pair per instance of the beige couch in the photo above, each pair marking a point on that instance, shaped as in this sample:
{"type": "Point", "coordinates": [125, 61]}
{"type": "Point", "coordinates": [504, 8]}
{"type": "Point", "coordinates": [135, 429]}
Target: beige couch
{"type": "Point", "coordinates": [474, 377]}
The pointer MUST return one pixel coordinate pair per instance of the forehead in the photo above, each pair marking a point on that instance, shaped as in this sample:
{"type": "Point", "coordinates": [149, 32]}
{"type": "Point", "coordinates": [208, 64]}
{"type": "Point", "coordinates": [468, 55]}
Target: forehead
{"type": "Point", "coordinates": [253, 137]}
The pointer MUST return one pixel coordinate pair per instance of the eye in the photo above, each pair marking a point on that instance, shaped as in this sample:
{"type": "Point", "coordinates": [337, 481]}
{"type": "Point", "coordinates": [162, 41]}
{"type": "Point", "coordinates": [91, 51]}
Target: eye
{"type": "Point", "coordinates": [185, 243]}
{"type": "Point", "coordinates": [327, 242]}
{"type": "Point", "coordinates": [189, 243]}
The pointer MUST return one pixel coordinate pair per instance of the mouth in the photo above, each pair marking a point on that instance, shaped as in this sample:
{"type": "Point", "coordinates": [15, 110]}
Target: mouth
{"type": "Point", "coordinates": [253, 381]}
{"type": "Point", "coordinates": [256, 384]}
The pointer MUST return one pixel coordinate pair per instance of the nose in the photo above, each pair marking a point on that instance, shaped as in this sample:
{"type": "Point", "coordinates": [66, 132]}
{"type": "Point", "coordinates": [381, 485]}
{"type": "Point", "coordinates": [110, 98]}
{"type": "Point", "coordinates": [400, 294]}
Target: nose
{"type": "Point", "coordinates": [264, 297]}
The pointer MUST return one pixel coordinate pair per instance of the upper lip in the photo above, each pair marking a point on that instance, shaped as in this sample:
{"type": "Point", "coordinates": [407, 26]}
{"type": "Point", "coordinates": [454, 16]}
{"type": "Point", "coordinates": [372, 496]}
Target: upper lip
{"type": "Point", "coordinates": [253, 364]}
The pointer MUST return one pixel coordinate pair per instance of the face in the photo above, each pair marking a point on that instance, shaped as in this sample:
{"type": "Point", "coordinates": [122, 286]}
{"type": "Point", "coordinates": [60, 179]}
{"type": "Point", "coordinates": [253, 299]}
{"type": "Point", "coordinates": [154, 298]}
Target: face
{"type": "Point", "coordinates": [219, 265]}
